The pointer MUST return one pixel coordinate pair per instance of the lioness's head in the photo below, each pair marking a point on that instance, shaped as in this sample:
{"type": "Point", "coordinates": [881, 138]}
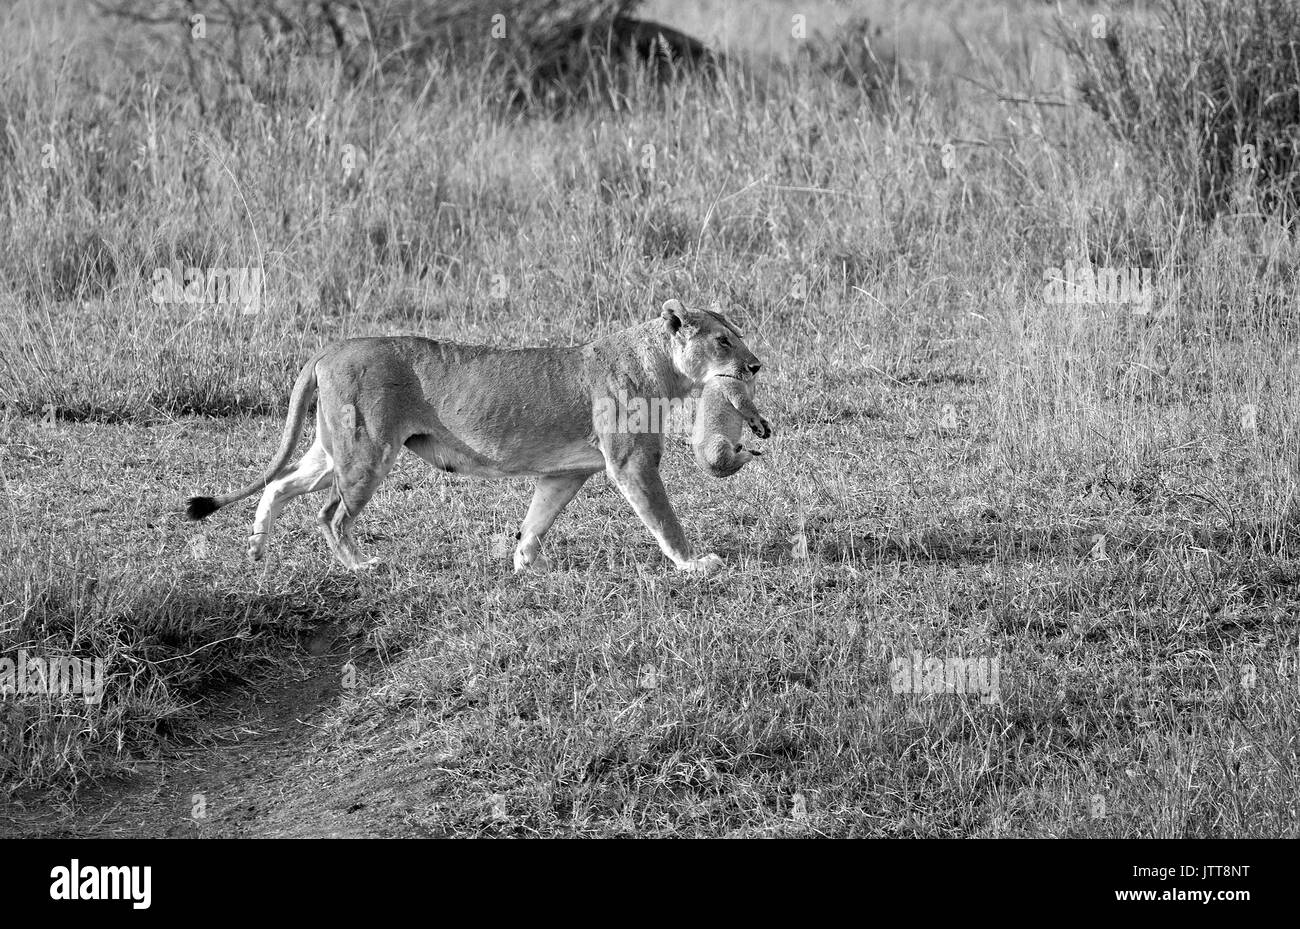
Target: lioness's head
{"type": "Point", "coordinates": [705, 343]}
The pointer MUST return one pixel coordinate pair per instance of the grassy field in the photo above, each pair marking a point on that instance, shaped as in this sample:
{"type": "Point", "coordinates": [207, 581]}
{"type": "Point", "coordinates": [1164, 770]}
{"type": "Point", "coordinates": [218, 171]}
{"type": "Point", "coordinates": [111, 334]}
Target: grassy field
{"type": "Point", "coordinates": [1096, 499]}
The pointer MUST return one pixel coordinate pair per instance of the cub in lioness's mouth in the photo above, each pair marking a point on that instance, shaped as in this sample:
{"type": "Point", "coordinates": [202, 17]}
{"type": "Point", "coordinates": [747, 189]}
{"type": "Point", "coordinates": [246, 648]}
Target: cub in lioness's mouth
{"type": "Point", "coordinates": [492, 412]}
{"type": "Point", "coordinates": [726, 406]}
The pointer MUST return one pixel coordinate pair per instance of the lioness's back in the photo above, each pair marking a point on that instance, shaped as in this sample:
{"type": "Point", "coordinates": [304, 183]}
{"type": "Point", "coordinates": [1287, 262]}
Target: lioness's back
{"type": "Point", "coordinates": [479, 388]}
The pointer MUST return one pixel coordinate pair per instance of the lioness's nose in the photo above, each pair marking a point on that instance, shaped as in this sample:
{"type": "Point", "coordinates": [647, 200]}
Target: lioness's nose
{"type": "Point", "coordinates": [753, 369]}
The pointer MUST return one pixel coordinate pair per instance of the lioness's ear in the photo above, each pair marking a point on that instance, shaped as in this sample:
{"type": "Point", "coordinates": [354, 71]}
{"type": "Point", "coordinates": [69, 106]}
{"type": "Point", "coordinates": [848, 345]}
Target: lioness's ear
{"type": "Point", "coordinates": [674, 314]}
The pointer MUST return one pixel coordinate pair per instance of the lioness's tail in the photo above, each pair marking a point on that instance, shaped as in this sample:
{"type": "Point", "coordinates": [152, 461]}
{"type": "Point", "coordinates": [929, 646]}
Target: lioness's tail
{"type": "Point", "coordinates": [304, 392]}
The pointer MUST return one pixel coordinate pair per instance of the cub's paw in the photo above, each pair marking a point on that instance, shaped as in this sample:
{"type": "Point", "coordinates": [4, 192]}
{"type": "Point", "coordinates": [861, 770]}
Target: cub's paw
{"type": "Point", "coordinates": [705, 564]}
{"type": "Point", "coordinates": [760, 427]}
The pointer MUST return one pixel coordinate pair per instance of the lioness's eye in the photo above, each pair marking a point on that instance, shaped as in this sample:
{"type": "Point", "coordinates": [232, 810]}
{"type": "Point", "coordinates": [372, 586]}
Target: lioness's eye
{"type": "Point", "coordinates": [724, 341]}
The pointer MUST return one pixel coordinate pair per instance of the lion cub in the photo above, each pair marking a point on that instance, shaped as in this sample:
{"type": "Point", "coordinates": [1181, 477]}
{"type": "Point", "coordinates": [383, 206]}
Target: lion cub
{"type": "Point", "coordinates": [724, 408]}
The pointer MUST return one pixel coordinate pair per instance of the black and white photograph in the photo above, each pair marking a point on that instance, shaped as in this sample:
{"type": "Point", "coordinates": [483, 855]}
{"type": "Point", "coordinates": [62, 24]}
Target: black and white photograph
{"type": "Point", "coordinates": [850, 419]}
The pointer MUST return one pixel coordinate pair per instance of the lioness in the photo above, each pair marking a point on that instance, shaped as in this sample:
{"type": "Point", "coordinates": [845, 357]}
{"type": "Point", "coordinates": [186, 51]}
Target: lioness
{"type": "Point", "coordinates": [494, 412]}
{"type": "Point", "coordinates": [725, 406]}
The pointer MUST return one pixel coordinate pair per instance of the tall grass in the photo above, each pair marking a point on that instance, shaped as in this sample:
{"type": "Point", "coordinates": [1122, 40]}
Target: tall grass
{"type": "Point", "coordinates": [1206, 91]}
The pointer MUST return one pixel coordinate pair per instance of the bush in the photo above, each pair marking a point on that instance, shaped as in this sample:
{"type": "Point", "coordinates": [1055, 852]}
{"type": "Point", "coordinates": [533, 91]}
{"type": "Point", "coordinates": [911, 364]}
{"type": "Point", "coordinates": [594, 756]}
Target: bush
{"type": "Point", "coordinates": [1208, 90]}
{"type": "Point", "coordinates": [533, 52]}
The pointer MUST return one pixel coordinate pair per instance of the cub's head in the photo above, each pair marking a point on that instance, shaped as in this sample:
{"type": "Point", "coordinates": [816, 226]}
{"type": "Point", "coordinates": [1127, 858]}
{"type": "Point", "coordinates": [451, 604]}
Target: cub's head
{"type": "Point", "coordinates": [704, 344]}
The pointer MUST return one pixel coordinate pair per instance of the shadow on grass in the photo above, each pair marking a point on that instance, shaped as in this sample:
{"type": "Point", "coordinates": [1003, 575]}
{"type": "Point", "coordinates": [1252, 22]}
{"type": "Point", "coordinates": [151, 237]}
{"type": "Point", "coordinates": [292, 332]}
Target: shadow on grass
{"type": "Point", "coordinates": [168, 649]}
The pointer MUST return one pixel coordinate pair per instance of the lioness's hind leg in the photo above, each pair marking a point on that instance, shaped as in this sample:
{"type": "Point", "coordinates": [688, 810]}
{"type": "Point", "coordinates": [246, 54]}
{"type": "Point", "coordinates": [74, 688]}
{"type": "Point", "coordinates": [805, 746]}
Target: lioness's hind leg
{"type": "Point", "coordinates": [551, 495]}
{"type": "Point", "coordinates": [311, 473]}
{"type": "Point", "coordinates": [325, 521]}
{"type": "Point", "coordinates": [355, 482]}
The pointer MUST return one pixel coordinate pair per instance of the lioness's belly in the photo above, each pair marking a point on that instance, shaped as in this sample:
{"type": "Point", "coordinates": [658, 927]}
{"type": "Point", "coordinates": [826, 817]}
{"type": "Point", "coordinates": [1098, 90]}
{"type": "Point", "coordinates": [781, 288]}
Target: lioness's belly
{"type": "Point", "coordinates": [454, 457]}
{"type": "Point", "coordinates": [492, 413]}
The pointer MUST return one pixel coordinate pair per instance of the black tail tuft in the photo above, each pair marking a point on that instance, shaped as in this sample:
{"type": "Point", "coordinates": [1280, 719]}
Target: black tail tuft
{"type": "Point", "coordinates": [199, 507]}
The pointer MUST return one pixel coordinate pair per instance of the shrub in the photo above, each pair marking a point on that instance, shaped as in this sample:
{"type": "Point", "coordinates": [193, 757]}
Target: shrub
{"type": "Point", "coordinates": [544, 52]}
{"type": "Point", "coordinates": [1208, 90]}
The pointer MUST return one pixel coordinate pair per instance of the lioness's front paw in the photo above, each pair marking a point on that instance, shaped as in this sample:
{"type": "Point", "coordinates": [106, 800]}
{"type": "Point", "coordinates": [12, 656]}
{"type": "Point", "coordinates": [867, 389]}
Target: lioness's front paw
{"type": "Point", "coordinates": [539, 562]}
{"type": "Point", "coordinates": [705, 564]}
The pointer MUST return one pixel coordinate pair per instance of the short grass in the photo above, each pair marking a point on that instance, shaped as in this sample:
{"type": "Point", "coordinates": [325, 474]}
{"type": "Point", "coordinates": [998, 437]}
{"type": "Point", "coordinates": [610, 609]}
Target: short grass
{"type": "Point", "coordinates": [1099, 497]}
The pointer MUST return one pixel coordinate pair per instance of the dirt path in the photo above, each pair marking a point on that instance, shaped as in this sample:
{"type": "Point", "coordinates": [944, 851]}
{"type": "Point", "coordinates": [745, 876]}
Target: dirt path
{"type": "Point", "coordinates": [218, 790]}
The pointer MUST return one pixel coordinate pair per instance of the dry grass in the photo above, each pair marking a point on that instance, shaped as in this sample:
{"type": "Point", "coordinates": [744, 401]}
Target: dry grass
{"type": "Point", "coordinates": [1206, 91]}
{"type": "Point", "coordinates": [949, 446]}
